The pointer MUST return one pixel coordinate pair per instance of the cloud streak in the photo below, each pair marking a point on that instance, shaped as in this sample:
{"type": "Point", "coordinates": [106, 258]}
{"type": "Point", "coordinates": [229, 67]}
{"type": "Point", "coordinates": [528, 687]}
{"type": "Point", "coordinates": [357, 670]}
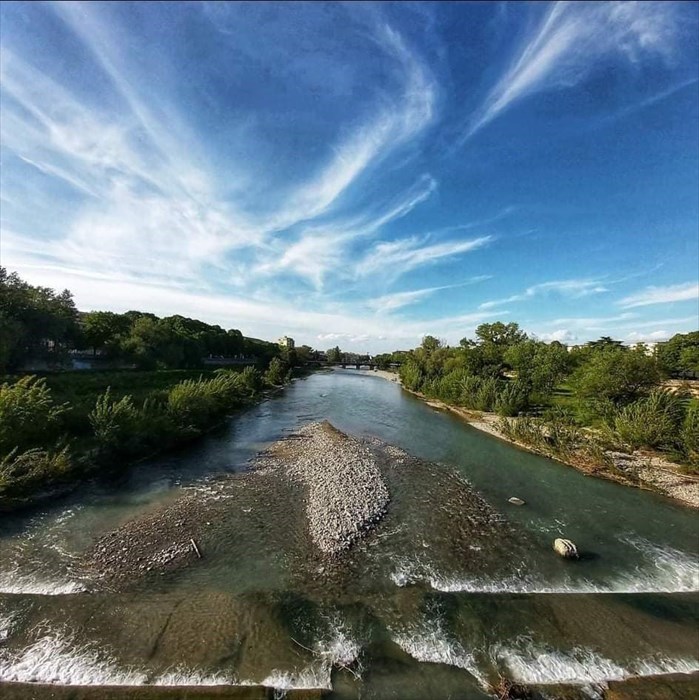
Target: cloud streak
{"type": "Point", "coordinates": [392, 302]}
{"type": "Point", "coordinates": [662, 295]}
{"type": "Point", "coordinates": [573, 289]}
{"type": "Point", "coordinates": [570, 40]}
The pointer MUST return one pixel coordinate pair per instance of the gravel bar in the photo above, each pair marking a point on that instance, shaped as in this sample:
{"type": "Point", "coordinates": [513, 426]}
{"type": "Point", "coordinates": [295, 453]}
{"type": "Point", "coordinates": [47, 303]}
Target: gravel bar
{"type": "Point", "coordinates": [346, 493]}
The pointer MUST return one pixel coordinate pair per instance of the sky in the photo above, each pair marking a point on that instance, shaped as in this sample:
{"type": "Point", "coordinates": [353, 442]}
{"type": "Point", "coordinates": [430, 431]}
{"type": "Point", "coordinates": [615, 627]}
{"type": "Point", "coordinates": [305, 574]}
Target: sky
{"type": "Point", "coordinates": [358, 174]}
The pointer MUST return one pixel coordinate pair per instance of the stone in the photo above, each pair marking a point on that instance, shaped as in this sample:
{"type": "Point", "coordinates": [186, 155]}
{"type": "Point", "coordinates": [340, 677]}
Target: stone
{"type": "Point", "coordinates": [565, 548]}
{"type": "Point", "coordinates": [515, 501]}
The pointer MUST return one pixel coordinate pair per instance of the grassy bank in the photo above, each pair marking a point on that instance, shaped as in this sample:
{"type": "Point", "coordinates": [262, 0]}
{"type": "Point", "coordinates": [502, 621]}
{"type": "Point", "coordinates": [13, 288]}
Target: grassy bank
{"type": "Point", "coordinates": [60, 429]}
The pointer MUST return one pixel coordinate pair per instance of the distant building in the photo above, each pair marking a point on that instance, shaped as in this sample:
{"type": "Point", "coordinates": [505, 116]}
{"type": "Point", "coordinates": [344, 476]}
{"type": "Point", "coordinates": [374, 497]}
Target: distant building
{"type": "Point", "coordinates": [286, 343]}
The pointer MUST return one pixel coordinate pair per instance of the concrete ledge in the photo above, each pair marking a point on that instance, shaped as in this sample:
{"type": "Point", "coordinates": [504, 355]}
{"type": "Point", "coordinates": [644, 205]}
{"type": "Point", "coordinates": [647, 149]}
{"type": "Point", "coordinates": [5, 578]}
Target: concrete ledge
{"type": "Point", "coordinates": [49, 691]}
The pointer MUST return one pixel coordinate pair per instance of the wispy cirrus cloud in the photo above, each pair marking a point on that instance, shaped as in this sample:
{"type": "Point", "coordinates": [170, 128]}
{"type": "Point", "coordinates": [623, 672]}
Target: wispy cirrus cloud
{"type": "Point", "coordinates": [401, 256]}
{"type": "Point", "coordinates": [570, 40]}
{"type": "Point", "coordinates": [661, 295]}
{"type": "Point", "coordinates": [573, 288]}
{"type": "Point", "coordinates": [392, 302]}
{"type": "Point", "coordinates": [321, 249]}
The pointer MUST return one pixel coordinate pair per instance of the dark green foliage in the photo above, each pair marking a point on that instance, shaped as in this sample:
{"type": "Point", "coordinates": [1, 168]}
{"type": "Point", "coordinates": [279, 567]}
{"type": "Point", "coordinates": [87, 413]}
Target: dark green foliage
{"type": "Point", "coordinates": [39, 324]}
{"type": "Point", "coordinates": [619, 376]}
{"type": "Point", "coordinates": [115, 424]}
{"type": "Point", "coordinates": [35, 322]}
{"type": "Point", "coordinates": [680, 354]}
{"type": "Point", "coordinates": [29, 417]}
{"type": "Point", "coordinates": [690, 433]}
{"type": "Point", "coordinates": [31, 470]}
{"type": "Point", "coordinates": [654, 421]}
{"type": "Point", "coordinates": [277, 372]}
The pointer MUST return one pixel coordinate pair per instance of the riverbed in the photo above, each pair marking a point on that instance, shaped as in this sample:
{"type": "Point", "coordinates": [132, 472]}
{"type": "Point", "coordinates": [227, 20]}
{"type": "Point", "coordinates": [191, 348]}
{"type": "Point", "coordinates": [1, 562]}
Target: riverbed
{"type": "Point", "coordinates": [419, 608]}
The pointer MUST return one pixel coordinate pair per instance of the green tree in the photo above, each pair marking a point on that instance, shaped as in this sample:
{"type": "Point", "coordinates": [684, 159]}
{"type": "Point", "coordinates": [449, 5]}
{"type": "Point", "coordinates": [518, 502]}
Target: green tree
{"type": "Point", "coordinates": [680, 354]}
{"type": "Point", "coordinates": [334, 354]}
{"type": "Point", "coordinates": [605, 343]}
{"type": "Point", "coordinates": [103, 329]}
{"type": "Point", "coordinates": [538, 365]}
{"type": "Point", "coordinates": [618, 376]}
{"type": "Point", "coordinates": [276, 372]}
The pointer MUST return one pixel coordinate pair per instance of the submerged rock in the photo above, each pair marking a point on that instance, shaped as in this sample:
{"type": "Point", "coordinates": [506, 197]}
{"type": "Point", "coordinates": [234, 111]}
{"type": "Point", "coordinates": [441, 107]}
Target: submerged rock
{"type": "Point", "coordinates": [565, 548]}
{"type": "Point", "coordinates": [516, 501]}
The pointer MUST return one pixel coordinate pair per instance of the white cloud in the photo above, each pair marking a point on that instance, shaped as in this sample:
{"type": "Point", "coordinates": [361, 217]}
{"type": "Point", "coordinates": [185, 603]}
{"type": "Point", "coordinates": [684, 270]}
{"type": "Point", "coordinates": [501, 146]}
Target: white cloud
{"type": "Point", "coordinates": [392, 302]}
{"type": "Point", "coordinates": [571, 39]}
{"type": "Point", "coordinates": [648, 336]}
{"type": "Point", "coordinates": [398, 257]}
{"type": "Point", "coordinates": [662, 295]}
{"type": "Point", "coordinates": [574, 289]}
{"type": "Point", "coordinates": [562, 335]}
{"type": "Point", "coordinates": [322, 249]}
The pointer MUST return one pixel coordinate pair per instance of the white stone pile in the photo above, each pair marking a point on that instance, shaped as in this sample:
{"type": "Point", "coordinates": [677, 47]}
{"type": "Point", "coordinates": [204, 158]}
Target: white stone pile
{"type": "Point", "coordinates": [346, 493]}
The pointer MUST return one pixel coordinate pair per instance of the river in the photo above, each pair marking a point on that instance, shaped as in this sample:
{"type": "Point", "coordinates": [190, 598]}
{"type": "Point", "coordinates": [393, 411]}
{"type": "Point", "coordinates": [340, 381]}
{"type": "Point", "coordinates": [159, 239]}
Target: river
{"type": "Point", "coordinates": [404, 616]}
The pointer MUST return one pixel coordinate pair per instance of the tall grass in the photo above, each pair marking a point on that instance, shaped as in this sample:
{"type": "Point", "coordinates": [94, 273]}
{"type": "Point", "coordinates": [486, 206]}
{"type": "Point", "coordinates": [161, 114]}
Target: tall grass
{"type": "Point", "coordinates": [655, 421]}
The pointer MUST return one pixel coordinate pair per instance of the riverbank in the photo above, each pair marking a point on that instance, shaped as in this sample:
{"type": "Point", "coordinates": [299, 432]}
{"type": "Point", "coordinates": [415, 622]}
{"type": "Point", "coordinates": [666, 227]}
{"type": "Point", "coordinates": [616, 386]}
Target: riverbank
{"type": "Point", "coordinates": [50, 445]}
{"type": "Point", "coordinates": [644, 470]}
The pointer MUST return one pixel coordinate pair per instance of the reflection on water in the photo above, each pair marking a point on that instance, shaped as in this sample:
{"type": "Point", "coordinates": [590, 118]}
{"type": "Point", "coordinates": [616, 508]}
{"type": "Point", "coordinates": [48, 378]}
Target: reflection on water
{"type": "Point", "coordinates": [426, 605]}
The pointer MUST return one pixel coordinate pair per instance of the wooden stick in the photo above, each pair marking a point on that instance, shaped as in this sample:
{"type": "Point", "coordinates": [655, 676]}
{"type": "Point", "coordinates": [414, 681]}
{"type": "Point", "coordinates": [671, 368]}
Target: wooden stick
{"type": "Point", "coordinates": [196, 549]}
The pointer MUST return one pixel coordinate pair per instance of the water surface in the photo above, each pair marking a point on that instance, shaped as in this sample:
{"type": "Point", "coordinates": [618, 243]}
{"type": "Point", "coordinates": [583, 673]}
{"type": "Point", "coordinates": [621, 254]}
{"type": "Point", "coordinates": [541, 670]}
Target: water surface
{"type": "Point", "coordinates": [407, 614]}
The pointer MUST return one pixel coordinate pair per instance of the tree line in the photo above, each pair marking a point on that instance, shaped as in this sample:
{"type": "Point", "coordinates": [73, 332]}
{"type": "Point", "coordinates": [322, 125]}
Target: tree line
{"type": "Point", "coordinates": [37, 323]}
{"type": "Point", "coordinates": [604, 385]}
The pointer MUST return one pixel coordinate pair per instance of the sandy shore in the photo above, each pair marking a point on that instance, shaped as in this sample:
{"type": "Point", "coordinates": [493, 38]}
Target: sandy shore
{"type": "Point", "coordinates": [639, 469]}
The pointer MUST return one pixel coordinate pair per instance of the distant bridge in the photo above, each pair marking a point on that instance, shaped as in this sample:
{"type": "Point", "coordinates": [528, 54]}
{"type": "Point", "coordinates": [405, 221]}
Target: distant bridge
{"type": "Point", "coordinates": [361, 364]}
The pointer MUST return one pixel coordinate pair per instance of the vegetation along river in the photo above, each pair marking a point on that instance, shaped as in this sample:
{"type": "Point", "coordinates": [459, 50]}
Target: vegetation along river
{"type": "Point", "coordinates": [446, 592]}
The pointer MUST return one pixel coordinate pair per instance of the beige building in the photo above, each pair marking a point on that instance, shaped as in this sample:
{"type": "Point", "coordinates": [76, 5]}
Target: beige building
{"type": "Point", "coordinates": [286, 342]}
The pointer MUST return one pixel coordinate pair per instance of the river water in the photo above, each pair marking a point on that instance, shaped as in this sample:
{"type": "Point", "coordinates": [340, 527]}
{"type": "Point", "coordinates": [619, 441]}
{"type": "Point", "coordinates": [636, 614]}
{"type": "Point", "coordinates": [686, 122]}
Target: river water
{"type": "Point", "coordinates": [406, 614]}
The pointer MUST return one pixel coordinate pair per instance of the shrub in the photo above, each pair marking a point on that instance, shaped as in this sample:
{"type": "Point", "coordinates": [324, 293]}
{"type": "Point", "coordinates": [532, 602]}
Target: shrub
{"type": "Point", "coordinates": [28, 415]}
{"type": "Point", "coordinates": [484, 398]}
{"type": "Point", "coordinates": [115, 424]}
{"type": "Point", "coordinates": [690, 433]}
{"type": "Point", "coordinates": [511, 398]}
{"type": "Point", "coordinates": [250, 381]}
{"type": "Point", "coordinates": [193, 404]}
{"type": "Point", "coordinates": [21, 472]}
{"type": "Point", "coordinates": [276, 372]}
{"type": "Point", "coordinates": [652, 422]}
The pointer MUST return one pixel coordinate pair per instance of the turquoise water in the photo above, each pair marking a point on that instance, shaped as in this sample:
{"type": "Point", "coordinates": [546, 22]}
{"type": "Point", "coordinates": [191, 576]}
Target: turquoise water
{"type": "Point", "coordinates": [422, 608]}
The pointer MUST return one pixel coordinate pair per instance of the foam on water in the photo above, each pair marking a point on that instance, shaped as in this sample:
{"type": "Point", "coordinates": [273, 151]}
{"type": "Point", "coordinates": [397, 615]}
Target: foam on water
{"type": "Point", "coordinates": [427, 642]}
{"type": "Point", "coordinates": [340, 649]}
{"type": "Point", "coordinates": [664, 570]}
{"type": "Point", "coordinates": [7, 622]}
{"type": "Point", "coordinates": [525, 662]}
{"type": "Point", "coordinates": [187, 676]}
{"type": "Point", "coordinates": [309, 678]}
{"type": "Point", "coordinates": [14, 582]}
{"type": "Point", "coordinates": [55, 659]}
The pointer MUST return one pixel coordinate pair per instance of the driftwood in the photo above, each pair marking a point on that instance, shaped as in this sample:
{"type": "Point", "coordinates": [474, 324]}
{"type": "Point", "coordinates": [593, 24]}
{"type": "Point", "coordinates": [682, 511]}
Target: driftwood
{"type": "Point", "coordinates": [196, 549]}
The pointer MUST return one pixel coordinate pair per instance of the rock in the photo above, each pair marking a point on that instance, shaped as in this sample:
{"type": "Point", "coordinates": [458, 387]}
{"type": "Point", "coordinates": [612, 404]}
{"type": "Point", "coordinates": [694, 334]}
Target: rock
{"type": "Point", "coordinates": [515, 501]}
{"type": "Point", "coordinates": [565, 548]}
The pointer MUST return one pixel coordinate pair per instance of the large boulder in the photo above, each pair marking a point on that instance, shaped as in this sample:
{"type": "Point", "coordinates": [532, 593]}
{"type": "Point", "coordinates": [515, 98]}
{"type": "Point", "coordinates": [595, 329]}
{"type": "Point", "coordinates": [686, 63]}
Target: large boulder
{"type": "Point", "coordinates": [565, 548]}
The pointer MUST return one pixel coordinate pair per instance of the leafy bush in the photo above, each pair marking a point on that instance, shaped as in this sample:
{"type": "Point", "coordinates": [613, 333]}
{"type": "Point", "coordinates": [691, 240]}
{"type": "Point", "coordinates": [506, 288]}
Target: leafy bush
{"type": "Point", "coordinates": [276, 373]}
{"type": "Point", "coordinates": [511, 398]}
{"type": "Point", "coordinates": [690, 433]}
{"type": "Point", "coordinates": [29, 417]}
{"type": "Point", "coordinates": [194, 404]}
{"type": "Point", "coordinates": [21, 472]}
{"type": "Point", "coordinates": [652, 422]}
{"type": "Point", "coordinates": [484, 398]}
{"type": "Point", "coordinates": [619, 376]}
{"type": "Point", "coordinates": [250, 381]}
{"type": "Point", "coordinates": [115, 424]}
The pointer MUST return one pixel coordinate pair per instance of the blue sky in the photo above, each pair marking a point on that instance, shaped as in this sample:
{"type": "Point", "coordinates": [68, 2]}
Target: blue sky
{"type": "Point", "coordinates": [358, 174]}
